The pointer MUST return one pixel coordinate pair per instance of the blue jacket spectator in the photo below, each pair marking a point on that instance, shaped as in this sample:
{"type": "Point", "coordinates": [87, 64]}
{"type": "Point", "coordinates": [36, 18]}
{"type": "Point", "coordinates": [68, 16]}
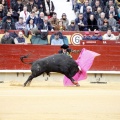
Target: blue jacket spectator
{"type": "Point", "coordinates": [31, 16]}
{"type": "Point", "coordinates": [39, 20]}
{"type": "Point", "coordinates": [57, 40]}
{"type": "Point", "coordinates": [81, 22]}
{"type": "Point", "coordinates": [38, 2]}
{"type": "Point", "coordinates": [78, 6]}
{"type": "Point", "coordinates": [64, 38]}
{"type": "Point", "coordinates": [81, 7]}
{"type": "Point", "coordinates": [96, 36]}
{"type": "Point", "coordinates": [45, 25]}
{"type": "Point", "coordinates": [88, 12]}
{"type": "Point", "coordinates": [86, 36]}
{"type": "Point", "coordinates": [18, 6]}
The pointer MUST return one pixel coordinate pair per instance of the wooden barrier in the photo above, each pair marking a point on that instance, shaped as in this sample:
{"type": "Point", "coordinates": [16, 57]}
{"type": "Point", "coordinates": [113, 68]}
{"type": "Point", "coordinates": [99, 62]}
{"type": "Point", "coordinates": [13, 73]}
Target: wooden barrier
{"type": "Point", "coordinates": [10, 55]}
{"type": "Point", "coordinates": [70, 35]}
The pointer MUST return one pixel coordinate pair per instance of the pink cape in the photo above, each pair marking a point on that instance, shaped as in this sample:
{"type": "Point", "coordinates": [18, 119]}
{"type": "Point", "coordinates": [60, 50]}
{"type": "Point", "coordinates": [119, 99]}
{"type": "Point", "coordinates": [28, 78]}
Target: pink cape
{"type": "Point", "coordinates": [85, 61]}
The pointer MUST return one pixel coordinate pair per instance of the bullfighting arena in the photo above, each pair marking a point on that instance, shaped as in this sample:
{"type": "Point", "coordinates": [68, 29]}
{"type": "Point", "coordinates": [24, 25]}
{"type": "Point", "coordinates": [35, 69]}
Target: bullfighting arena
{"type": "Point", "coordinates": [44, 101]}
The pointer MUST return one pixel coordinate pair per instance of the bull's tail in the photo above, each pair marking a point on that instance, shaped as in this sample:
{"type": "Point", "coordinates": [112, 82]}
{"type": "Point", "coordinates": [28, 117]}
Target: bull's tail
{"type": "Point", "coordinates": [25, 56]}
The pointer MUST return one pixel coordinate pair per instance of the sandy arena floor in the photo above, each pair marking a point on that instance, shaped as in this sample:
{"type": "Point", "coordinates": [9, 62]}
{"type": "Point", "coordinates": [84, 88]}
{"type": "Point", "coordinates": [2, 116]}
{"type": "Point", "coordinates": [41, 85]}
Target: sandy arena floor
{"type": "Point", "coordinates": [39, 102]}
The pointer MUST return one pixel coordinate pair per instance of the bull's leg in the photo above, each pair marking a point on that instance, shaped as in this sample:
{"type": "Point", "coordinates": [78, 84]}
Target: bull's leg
{"type": "Point", "coordinates": [33, 75]}
{"type": "Point", "coordinates": [73, 81]}
{"type": "Point", "coordinates": [29, 80]}
{"type": "Point", "coordinates": [48, 74]}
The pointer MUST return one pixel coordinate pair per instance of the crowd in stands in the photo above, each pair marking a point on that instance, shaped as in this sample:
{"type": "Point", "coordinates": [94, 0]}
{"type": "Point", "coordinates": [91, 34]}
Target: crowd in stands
{"type": "Point", "coordinates": [33, 16]}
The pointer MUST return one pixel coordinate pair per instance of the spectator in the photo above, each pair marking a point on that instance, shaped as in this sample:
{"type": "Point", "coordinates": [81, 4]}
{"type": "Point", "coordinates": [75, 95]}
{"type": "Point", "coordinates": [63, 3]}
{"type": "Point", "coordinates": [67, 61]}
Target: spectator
{"type": "Point", "coordinates": [100, 20]}
{"type": "Point", "coordinates": [77, 8]}
{"type": "Point", "coordinates": [20, 25]}
{"type": "Point", "coordinates": [73, 26]}
{"type": "Point", "coordinates": [101, 3]}
{"type": "Point", "coordinates": [8, 15]}
{"type": "Point", "coordinates": [12, 3]}
{"type": "Point", "coordinates": [39, 20]}
{"type": "Point", "coordinates": [113, 11]}
{"type": "Point", "coordinates": [8, 25]}
{"type": "Point", "coordinates": [97, 4]}
{"type": "Point", "coordinates": [86, 3]}
{"type": "Point", "coordinates": [25, 14]}
{"type": "Point", "coordinates": [73, 4]}
{"type": "Point", "coordinates": [87, 36]}
{"type": "Point", "coordinates": [40, 7]}
{"type": "Point", "coordinates": [96, 36]}
{"type": "Point", "coordinates": [60, 26]}
{"type": "Point", "coordinates": [6, 39]}
{"type": "Point", "coordinates": [14, 15]}
{"type": "Point", "coordinates": [31, 25]}
{"type": "Point", "coordinates": [54, 20]}
{"type": "Point", "coordinates": [81, 22]}
{"type": "Point", "coordinates": [35, 9]}
{"type": "Point", "coordinates": [31, 16]}
{"type": "Point", "coordinates": [105, 2]}
{"type": "Point", "coordinates": [105, 26]}
{"type": "Point", "coordinates": [30, 5]}
{"type": "Point", "coordinates": [45, 25]}
{"type": "Point", "coordinates": [25, 2]}
{"type": "Point", "coordinates": [4, 3]}
{"type": "Point", "coordinates": [2, 12]}
{"type": "Point", "coordinates": [112, 22]}
{"type": "Point", "coordinates": [92, 23]}
{"type": "Point", "coordinates": [20, 39]}
{"type": "Point", "coordinates": [65, 20]}
{"type": "Point", "coordinates": [38, 2]}
{"type": "Point", "coordinates": [98, 12]}
{"type": "Point", "coordinates": [57, 40]}
{"type": "Point", "coordinates": [88, 12]}
{"type": "Point", "coordinates": [110, 3]}
{"type": "Point", "coordinates": [81, 7]}
{"type": "Point", "coordinates": [48, 7]}
{"type": "Point", "coordinates": [109, 35]}
{"type": "Point", "coordinates": [18, 7]}
{"type": "Point", "coordinates": [119, 13]}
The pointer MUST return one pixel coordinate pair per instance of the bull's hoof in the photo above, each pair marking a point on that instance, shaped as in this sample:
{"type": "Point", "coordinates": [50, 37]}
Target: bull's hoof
{"type": "Point", "coordinates": [76, 83]}
{"type": "Point", "coordinates": [24, 85]}
{"type": "Point", "coordinates": [28, 84]}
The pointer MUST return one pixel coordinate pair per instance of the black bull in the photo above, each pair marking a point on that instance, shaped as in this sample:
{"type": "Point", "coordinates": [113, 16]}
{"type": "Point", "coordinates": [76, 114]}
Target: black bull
{"type": "Point", "coordinates": [55, 63]}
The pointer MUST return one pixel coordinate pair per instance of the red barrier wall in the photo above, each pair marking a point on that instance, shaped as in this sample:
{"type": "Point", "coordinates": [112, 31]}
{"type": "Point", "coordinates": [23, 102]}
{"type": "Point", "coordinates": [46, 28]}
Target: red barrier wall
{"type": "Point", "coordinates": [10, 55]}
